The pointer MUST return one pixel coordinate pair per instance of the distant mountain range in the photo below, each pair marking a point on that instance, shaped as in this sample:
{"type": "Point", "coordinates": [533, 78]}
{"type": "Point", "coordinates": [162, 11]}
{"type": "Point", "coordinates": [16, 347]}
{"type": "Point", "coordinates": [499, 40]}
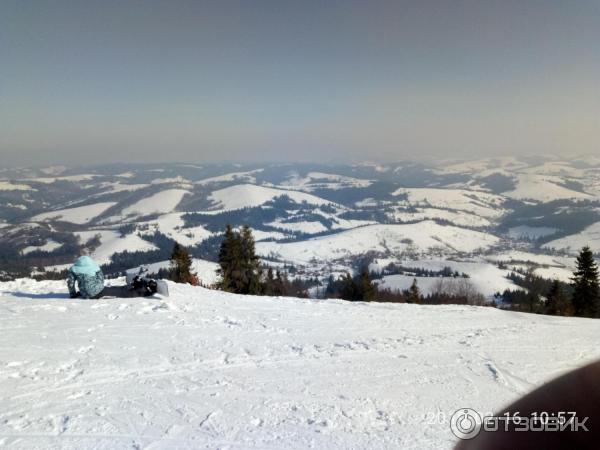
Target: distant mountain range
{"type": "Point", "coordinates": [483, 217]}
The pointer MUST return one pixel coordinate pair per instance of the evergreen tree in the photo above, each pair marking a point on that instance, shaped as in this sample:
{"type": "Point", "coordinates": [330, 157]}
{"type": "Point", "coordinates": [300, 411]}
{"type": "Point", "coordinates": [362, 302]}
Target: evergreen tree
{"type": "Point", "coordinates": [281, 284]}
{"type": "Point", "coordinates": [558, 303]}
{"type": "Point", "coordinates": [230, 261]}
{"type": "Point", "coordinates": [239, 266]}
{"type": "Point", "coordinates": [586, 287]}
{"type": "Point", "coordinates": [349, 289]}
{"type": "Point", "coordinates": [532, 302]}
{"type": "Point", "coordinates": [251, 264]}
{"type": "Point", "coordinates": [367, 287]}
{"type": "Point", "coordinates": [181, 266]}
{"type": "Point", "coordinates": [269, 284]}
{"type": "Point", "coordinates": [414, 293]}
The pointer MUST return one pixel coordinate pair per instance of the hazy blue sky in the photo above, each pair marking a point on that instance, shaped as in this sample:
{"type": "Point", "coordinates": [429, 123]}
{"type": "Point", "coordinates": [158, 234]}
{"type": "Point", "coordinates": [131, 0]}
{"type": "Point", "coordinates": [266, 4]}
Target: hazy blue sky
{"type": "Point", "coordinates": [88, 82]}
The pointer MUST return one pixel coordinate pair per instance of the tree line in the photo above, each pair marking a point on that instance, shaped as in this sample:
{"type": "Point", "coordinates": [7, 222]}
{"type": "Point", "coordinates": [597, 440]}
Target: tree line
{"type": "Point", "coordinates": [579, 298]}
{"type": "Point", "coordinates": [241, 272]}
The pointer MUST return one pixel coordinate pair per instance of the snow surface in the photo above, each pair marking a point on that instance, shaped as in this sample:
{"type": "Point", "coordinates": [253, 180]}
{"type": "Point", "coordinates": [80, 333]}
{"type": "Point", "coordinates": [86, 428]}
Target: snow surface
{"type": "Point", "coordinates": [459, 218]}
{"type": "Point", "coordinates": [206, 369]}
{"type": "Point", "coordinates": [112, 242]}
{"type": "Point", "coordinates": [113, 187]}
{"type": "Point", "coordinates": [173, 180]}
{"type": "Point", "coordinates": [486, 278]}
{"type": "Point", "coordinates": [247, 177]}
{"type": "Point", "coordinates": [70, 178]}
{"type": "Point", "coordinates": [299, 227]}
{"type": "Point", "coordinates": [417, 237]}
{"type": "Point", "coordinates": [9, 186]}
{"type": "Point", "coordinates": [575, 242]}
{"type": "Point", "coordinates": [160, 203]}
{"type": "Point", "coordinates": [479, 203]}
{"type": "Point", "coordinates": [173, 225]}
{"type": "Point", "coordinates": [49, 246]}
{"type": "Point", "coordinates": [320, 180]}
{"type": "Point", "coordinates": [249, 195]}
{"type": "Point", "coordinates": [79, 215]}
{"type": "Point", "coordinates": [543, 188]}
{"type": "Point", "coordinates": [206, 270]}
{"type": "Point", "coordinates": [508, 163]}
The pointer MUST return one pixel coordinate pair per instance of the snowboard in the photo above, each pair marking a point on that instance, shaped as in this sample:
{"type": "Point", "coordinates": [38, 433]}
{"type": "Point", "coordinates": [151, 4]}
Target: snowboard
{"type": "Point", "coordinates": [162, 288]}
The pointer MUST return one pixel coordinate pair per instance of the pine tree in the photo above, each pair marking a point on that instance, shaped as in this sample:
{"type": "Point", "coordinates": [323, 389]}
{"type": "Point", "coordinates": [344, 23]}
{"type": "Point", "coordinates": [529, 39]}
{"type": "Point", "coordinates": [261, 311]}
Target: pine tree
{"type": "Point", "coordinates": [367, 287]}
{"type": "Point", "coordinates": [239, 266]}
{"type": "Point", "coordinates": [586, 293]}
{"type": "Point", "coordinates": [181, 266]}
{"type": "Point", "coordinates": [558, 303]}
{"type": "Point", "coordinates": [281, 284]}
{"type": "Point", "coordinates": [348, 289]}
{"type": "Point", "coordinates": [252, 272]}
{"type": "Point", "coordinates": [414, 293]}
{"type": "Point", "coordinates": [532, 302]}
{"type": "Point", "coordinates": [230, 261]}
{"type": "Point", "coordinates": [269, 284]}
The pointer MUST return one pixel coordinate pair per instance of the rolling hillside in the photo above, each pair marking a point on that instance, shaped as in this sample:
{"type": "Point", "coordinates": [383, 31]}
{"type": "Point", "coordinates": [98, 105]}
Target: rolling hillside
{"type": "Point", "coordinates": [321, 219]}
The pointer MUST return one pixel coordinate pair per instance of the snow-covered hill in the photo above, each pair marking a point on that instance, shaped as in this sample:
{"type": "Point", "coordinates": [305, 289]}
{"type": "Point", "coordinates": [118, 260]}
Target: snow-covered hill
{"type": "Point", "coordinates": [206, 369]}
{"type": "Point", "coordinates": [573, 243]}
{"type": "Point", "coordinates": [162, 202]}
{"type": "Point", "coordinates": [414, 239]}
{"type": "Point", "coordinates": [79, 215]}
{"type": "Point", "coordinates": [248, 196]}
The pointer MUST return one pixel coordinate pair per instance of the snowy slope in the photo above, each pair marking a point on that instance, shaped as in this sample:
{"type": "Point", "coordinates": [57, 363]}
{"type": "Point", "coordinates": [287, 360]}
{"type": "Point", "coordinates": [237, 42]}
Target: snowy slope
{"type": "Point", "coordinates": [172, 225]}
{"type": "Point", "coordinates": [486, 278]}
{"type": "Point", "coordinates": [246, 177]}
{"type": "Point", "coordinates": [162, 202]}
{"type": "Point", "coordinates": [249, 195]}
{"type": "Point", "coordinates": [474, 202]}
{"type": "Point", "coordinates": [205, 369]}
{"type": "Point", "coordinates": [396, 239]}
{"type": "Point", "coordinates": [575, 242]}
{"type": "Point", "coordinates": [458, 218]}
{"type": "Point", "coordinates": [543, 188]}
{"type": "Point", "coordinates": [6, 185]}
{"type": "Point", "coordinates": [302, 227]}
{"type": "Point", "coordinates": [49, 246]}
{"type": "Point", "coordinates": [79, 215]}
{"type": "Point", "coordinates": [319, 180]}
{"type": "Point", "coordinates": [205, 270]}
{"type": "Point", "coordinates": [111, 242]}
{"type": "Point", "coordinates": [508, 163]}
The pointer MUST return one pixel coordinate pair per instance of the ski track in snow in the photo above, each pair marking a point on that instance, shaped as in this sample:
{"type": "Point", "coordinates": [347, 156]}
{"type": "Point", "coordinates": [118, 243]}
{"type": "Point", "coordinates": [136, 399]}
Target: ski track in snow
{"type": "Point", "coordinates": [206, 369]}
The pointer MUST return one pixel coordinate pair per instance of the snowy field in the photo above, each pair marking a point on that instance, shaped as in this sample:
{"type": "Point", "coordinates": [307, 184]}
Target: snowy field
{"type": "Point", "coordinates": [205, 369]}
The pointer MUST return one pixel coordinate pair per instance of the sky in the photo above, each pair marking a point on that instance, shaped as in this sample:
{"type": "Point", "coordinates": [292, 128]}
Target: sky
{"type": "Point", "coordinates": [85, 82]}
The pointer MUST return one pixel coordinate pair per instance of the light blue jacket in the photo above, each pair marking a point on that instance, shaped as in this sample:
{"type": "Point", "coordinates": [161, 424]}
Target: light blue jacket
{"type": "Point", "coordinates": [86, 275]}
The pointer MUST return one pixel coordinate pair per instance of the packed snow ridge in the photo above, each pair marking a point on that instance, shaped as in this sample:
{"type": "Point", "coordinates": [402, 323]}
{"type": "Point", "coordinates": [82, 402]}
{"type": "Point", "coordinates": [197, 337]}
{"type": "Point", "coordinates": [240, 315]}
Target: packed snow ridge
{"type": "Point", "coordinates": [207, 369]}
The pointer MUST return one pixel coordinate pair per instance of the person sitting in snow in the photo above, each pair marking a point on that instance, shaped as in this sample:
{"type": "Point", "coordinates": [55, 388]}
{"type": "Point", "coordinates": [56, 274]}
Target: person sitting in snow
{"type": "Point", "coordinates": [85, 279]}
